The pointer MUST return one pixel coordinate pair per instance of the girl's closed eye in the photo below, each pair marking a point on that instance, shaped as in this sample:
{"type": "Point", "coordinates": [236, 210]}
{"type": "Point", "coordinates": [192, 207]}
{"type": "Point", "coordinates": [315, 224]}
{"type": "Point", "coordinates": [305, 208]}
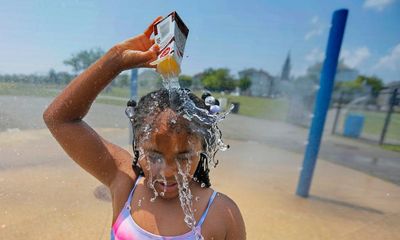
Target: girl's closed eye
{"type": "Point", "coordinates": [155, 157]}
{"type": "Point", "coordinates": [185, 157]}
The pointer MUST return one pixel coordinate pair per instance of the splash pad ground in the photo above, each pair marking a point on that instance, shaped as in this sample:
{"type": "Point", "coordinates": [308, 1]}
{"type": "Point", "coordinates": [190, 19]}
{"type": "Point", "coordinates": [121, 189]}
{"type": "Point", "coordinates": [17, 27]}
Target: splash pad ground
{"type": "Point", "coordinates": [44, 195]}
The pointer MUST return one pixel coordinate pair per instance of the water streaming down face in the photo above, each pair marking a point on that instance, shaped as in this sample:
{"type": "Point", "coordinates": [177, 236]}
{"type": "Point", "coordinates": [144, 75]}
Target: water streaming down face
{"type": "Point", "coordinates": [201, 123]}
{"type": "Point", "coordinates": [186, 198]}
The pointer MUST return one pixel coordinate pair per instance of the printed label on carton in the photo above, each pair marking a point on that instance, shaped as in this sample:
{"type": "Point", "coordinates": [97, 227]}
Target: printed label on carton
{"type": "Point", "coordinates": [171, 34]}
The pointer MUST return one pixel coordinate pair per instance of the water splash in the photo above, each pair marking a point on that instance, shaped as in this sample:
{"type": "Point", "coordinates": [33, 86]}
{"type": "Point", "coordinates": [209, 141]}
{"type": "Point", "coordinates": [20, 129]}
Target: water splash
{"type": "Point", "coordinates": [170, 82]}
{"type": "Point", "coordinates": [186, 198]}
{"type": "Point", "coordinates": [202, 122]}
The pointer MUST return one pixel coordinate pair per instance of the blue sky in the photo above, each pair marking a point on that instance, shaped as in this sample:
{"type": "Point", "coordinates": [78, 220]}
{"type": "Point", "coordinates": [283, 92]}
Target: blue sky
{"type": "Point", "coordinates": [38, 35]}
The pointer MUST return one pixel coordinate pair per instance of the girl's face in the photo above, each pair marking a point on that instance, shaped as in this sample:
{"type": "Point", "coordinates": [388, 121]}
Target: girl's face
{"type": "Point", "coordinates": [169, 153]}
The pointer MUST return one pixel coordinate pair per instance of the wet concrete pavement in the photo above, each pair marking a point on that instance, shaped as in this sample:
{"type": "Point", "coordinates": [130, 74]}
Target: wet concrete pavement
{"type": "Point", "coordinates": [45, 195]}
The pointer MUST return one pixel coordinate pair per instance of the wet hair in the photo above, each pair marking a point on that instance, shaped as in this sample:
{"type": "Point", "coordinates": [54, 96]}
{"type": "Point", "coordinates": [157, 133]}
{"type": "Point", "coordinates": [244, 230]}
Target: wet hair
{"type": "Point", "coordinates": [187, 105]}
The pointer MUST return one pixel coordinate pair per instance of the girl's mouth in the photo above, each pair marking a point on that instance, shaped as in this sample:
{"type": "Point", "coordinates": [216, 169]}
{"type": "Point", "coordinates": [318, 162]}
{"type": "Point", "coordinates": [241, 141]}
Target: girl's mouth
{"type": "Point", "coordinates": [168, 187]}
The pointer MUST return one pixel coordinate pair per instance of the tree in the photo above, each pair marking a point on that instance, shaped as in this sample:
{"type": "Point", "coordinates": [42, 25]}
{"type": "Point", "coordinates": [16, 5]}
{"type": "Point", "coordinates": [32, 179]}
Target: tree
{"type": "Point", "coordinates": [218, 80]}
{"type": "Point", "coordinates": [64, 77]}
{"type": "Point", "coordinates": [53, 78]}
{"type": "Point", "coordinates": [185, 81]}
{"type": "Point", "coordinates": [373, 82]}
{"type": "Point", "coordinates": [83, 59]}
{"type": "Point", "coordinates": [122, 80]}
{"type": "Point", "coordinates": [244, 83]}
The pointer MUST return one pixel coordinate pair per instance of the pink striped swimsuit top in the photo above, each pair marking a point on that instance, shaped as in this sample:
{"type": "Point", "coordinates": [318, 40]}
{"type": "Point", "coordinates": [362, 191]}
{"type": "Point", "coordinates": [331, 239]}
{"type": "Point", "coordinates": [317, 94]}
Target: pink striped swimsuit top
{"type": "Point", "coordinates": [125, 228]}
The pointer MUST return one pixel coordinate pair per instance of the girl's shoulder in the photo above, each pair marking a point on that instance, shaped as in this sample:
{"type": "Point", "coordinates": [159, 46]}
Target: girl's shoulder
{"type": "Point", "coordinates": [225, 206]}
{"type": "Point", "coordinates": [227, 211]}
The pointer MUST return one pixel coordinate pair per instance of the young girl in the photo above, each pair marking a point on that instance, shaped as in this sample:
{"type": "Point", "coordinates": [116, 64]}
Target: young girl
{"type": "Point", "coordinates": [165, 193]}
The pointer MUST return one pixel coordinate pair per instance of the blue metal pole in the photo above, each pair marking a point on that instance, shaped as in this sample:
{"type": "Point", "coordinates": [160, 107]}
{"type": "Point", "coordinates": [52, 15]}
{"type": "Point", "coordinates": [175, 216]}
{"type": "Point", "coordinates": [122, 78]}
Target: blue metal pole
{"type": "Point", "coordinates": [134, 96]}
{"type": "Point", "coordinates": [134, 81]}
{"type": "Point", "coordinates": [322, 101]}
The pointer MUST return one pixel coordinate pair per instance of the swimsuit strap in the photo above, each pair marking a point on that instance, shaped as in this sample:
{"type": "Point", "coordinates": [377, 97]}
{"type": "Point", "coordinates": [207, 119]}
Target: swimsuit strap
{"type": "Point", "coordinates": [203, 217]}
{"type": "Point", "coordinates": [128, 202]}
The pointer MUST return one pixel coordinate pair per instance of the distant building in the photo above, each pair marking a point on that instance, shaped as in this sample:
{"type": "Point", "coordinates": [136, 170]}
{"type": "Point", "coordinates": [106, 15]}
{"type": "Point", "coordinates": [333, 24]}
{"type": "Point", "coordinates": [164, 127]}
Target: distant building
{"type": "Point", "coordinates": [285, 75]}
{"type": "Point", "coordinates": [385, 95]}
{"type": "Point", "coordinates": [262, 83]}
{"type": "Point", "coordinates": [344, 73]}
{"type": "Point", "coordinates": [283, 84]}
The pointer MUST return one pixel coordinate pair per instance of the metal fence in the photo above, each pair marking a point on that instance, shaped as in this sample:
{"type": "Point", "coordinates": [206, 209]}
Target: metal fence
{"type": "Point", "coordinates": [373, 118]}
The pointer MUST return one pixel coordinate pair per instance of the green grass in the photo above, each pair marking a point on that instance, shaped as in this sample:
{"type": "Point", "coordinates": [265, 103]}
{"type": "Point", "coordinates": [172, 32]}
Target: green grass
{"type": "Point", "coordinates": [271, 109]}
{"type": "Point", "coordinates": [117, 92]}
{"type": "Point", "coordinates": [374, 122]}
{"type": "Point", "coordinates": [391, 147]}
{"type": "Point", "coordinates": [112, 101]}
{"type": "Point", "coordinates": [18, 89]}
{"type": "Point", "coordinates": [264, 108]}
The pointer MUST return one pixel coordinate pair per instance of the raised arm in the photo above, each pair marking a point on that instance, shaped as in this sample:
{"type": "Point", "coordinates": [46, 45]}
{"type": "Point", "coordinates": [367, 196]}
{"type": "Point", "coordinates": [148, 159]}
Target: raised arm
{"type": "Point", "coordinates": [64, 115]}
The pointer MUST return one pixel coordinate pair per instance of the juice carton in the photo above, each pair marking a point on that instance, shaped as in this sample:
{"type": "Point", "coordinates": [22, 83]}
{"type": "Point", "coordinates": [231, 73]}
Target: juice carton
{"type": "Point", "coordinates": [170, 34]}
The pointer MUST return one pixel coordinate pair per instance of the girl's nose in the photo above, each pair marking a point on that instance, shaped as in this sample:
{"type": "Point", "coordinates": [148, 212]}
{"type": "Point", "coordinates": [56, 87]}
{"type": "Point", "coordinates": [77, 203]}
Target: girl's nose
{"type": "Point", "coordinates": [170, 170]}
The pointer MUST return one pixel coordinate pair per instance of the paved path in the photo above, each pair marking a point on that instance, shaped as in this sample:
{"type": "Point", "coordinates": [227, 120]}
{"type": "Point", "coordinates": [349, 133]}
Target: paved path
{"type": "Point", "coordinates": [355, 154]}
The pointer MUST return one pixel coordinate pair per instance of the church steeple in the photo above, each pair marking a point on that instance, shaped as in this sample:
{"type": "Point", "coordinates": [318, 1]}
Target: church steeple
{"type": "Point", "coordinates": [285, 75]}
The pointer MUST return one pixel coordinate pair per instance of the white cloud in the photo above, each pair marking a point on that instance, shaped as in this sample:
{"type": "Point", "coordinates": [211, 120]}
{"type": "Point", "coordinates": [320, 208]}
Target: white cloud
{"type": "Point", "coordinates": [317, 28]}
{"type": "Point", "coordinates": [315, 55]}
{"type": "Point", "coordinates": [390, 61]}
{"type": "Point", "coordinates": [354, 58]}
{"type": "Point", "coordinates": [378, 5]}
